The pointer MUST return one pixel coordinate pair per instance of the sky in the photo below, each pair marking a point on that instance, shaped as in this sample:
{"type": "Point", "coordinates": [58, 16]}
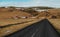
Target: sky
{"type": "Point", "coordinates": [29, 3]}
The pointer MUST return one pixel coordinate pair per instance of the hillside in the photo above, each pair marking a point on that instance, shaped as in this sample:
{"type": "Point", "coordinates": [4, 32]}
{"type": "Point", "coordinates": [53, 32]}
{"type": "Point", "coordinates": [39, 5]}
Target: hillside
{"type": "Point", "coordinates": [8, 13]}
{"type": "Point", "coordinates": [50, 13]}
{"type": "Point", "coordinates": [29, 11]}
{"type": "Point", "coordinates": [42, 7]}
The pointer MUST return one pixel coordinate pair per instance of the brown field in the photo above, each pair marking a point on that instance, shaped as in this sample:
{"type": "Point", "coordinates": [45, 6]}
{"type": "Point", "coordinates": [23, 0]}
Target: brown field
{"type": "Point", "coordinates": [7, 17]}
{"type": "Point", "coordinates": [55, 23]}
{"type": "Point", "coordinates": [11, 21]}
{"type": "Point", "coordinates": [14, 28]}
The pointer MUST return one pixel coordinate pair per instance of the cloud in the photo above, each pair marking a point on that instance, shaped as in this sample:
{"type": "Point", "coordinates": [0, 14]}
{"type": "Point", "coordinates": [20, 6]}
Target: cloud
{"type": "Point", "coordinates": [52, 3]}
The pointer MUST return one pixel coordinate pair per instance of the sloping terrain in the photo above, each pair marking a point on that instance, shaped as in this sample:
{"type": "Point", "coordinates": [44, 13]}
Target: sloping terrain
{"type": "Point", "coordinates": [8, 16]}
{"type": "Point", "coordinates": [50, 13]}
{"type": "Point", "coordinates": [12, 14]}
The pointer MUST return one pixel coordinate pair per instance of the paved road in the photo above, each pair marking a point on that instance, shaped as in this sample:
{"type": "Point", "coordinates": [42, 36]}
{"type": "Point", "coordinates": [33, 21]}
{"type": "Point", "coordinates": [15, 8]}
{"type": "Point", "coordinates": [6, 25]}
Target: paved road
{"type": "Point", "coordinates": [40, 29]}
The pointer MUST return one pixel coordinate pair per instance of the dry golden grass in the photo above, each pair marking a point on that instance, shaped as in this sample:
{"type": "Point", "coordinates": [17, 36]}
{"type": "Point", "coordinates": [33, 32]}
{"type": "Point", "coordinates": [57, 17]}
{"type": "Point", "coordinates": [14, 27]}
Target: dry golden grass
{"type": "Point", "coordinates": [14, 28]}
{"type": "Point", "coordinates": [5, 19]}
{"type": "Point", "coordinates": [55, 23]}
{"type": "Point", "coordinates": [53, 10]}
{"type": "Point", "coordinates": [12, 14]}
{"type": "Point", "coordinates": [12, 21]}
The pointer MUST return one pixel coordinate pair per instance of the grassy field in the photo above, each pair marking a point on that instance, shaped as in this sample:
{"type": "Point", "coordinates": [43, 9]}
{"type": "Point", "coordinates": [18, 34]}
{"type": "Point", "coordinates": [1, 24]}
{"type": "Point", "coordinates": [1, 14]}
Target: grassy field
{"type": "Point", "coordinates": [7, 17]}
{"type": "Point", "coordinates": [12, 21]}
{"type": "Point", "coordinates": [14, 28]}
{"type": "Point", "coordinates": [55, 23]}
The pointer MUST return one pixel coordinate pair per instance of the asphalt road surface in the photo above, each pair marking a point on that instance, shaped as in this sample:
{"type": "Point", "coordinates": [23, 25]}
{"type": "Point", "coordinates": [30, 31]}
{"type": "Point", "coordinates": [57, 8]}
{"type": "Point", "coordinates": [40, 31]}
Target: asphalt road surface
{"type": "Point", "coordinates": [40, 29]}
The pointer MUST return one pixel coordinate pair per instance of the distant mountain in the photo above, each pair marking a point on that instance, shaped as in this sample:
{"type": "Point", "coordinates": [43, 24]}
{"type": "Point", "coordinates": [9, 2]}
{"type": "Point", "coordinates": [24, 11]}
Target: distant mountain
{"type": "Point", "coordinates": [42, 7]}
